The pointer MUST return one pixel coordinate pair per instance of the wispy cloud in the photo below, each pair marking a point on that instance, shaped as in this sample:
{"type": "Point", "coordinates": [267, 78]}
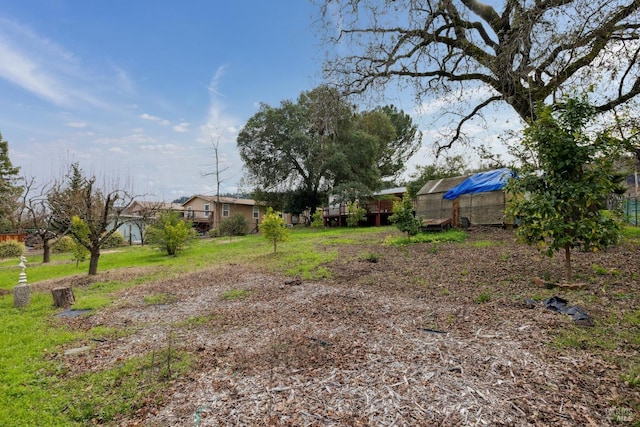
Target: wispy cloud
{"type": "Point", "coordinates": [181, 127]}
{"type": "Point", "coordinates": [156, 119]}
{"type": "Point", "coordinates": [78, 125]}
{"type": "Point", "coordinates": [45, 69]}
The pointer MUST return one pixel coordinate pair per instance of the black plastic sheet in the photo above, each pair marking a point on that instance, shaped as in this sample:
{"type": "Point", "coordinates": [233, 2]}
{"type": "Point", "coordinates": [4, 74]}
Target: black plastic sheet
{"type": "Point", "coordinates": [562, 306]}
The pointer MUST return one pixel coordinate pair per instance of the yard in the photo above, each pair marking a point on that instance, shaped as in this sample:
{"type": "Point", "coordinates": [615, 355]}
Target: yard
{"type": "Point", "coordinates": [340, 327]}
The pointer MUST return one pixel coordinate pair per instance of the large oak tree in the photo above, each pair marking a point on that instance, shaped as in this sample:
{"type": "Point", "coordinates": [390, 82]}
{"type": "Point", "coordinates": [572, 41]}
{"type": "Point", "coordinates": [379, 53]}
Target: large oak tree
{"type": "Point", "coordinates": [301, 150]}
{"type": "Point", "coordinates": [514, 52]}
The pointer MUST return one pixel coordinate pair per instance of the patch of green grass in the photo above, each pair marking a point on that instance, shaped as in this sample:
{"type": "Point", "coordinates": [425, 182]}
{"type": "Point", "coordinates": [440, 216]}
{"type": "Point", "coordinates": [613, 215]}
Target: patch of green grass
{"type": "Point", "coordinates": [483, 298]}
{"type": "Point", "coordinates": [632, 377]}
{"type": "Point", "coordinates": [120, 390]}
{"type": "Point", "coordinates": [235, 294]}
{"type": "Point", "coordinates": [195, 321]}
{"type": "Point", "coordinates": [159, 298]}
{"type": "Point", "coordinates": [307, 263]}
{"type": "Point", "coordinates": [371, 257]}
{"type": "Point", "coordinates": [631, 232]}
{"type": "Point", "coordinates": [601, 271]}
{"type": "Point", "coordinates": [440, 237]}
{"type": "Point", "coordinates": [484, 244]}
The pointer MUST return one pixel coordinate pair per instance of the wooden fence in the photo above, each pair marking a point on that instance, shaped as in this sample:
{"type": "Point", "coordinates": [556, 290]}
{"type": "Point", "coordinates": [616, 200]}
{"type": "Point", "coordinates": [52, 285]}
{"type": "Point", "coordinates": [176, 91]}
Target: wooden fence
{"type": "Point", "coordinates": [16, 237]}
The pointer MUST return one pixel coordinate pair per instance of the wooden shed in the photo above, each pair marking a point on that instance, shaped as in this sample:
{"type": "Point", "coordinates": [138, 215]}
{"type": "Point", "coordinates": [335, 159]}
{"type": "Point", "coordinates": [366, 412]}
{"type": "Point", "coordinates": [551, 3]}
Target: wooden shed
{"type": "Point", "coordinates": [481, 201]}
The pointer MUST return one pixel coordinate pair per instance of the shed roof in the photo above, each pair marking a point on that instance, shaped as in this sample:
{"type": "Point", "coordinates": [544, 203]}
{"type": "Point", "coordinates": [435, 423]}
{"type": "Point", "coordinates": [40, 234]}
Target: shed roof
{"type": "Point", "coordinates": [480, 183]}
{"type": "Point", "coordinates": [441, 185]}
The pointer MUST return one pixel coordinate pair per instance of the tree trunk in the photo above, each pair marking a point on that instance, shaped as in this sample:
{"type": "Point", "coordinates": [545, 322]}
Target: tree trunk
{"type": "Point", "coordinates": [46, 251]}
{"type": "Point", "coordinates": [63, 297]}
{"type": "Point", "coordinates": [567, 263]}
{"type": "Point", "coordinates": [93, 261]}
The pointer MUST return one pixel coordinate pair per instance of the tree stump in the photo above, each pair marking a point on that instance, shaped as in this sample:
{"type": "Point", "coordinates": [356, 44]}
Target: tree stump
{"type": "Point", "coordinates": [63, 297]}
{"type": "Point", "coordinates": [22, 295]}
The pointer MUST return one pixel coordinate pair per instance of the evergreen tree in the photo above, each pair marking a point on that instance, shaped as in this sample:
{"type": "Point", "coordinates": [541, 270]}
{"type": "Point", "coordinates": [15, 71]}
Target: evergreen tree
{"type": "Point", "coordinates": [9, 189]}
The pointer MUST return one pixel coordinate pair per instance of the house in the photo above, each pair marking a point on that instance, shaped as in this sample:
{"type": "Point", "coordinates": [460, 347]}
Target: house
{"type": "Point", "coordinates": [138, 215]}
{"type": "Point", "coordinates": [206, 212]}
{"type": "Point", "coordinates": [477, 199]}
{"type": "Point", "coordinates": [379, 208]}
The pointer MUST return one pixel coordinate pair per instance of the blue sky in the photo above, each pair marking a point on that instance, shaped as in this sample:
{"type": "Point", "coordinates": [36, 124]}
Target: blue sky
{"type": "Point", "coordinates": [135, 91]}
{"type": "Point", "coordinates": [129, 88]}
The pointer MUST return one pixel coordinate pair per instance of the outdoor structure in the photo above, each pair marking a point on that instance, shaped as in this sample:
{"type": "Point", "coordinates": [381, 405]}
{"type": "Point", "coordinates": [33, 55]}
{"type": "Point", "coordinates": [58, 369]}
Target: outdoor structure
{"type": "Point", "coordinates": [206, 212]}
{"type": "Point", "coordinates": [379, 208]}
{"type": "Point", "coordinates": [22, 292]}
{"type": "Point", "coordinates": [477, 199]}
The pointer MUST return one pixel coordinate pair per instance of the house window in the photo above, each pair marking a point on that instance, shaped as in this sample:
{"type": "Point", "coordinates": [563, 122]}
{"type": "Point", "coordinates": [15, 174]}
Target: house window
{"type": "Point", "coordinates": [256, 212]}
{"type": "Point", "coordinates": [190, 213]}
{"type": "Point", "coordinates": [225, 211]}
{"type": "Point", "coordinates": [207, 210]}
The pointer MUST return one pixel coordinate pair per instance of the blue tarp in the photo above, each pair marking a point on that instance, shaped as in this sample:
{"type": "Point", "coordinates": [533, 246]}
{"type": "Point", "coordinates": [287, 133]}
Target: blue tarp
{"type": "Point", "coordinates": [480, 183]}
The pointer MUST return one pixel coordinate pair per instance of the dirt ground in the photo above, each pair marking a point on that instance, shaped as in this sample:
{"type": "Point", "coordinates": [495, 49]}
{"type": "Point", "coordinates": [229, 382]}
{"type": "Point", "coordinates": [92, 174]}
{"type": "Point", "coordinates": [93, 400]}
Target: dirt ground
{"type": "Point", "coordinates": [425, 335]}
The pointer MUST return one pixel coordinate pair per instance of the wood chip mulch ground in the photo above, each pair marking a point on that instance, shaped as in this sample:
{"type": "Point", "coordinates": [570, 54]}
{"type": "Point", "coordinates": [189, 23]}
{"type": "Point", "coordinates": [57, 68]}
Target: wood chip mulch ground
{"type": "Point", "coordinates": [428, 334]}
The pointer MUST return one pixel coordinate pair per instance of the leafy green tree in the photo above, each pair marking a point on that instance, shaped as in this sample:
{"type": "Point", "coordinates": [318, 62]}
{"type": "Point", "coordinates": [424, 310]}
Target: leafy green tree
{"type": "Point", "coordinates": [301, 150]}
{"type": "Point", "coordinates": [559, 198]}
{"type": "Point", "coordinates": [89, 213]}
{"type": "Point", "coordinates": [81, 232]}
{"type": "Point", "coordinates": [170, 232]}
{"type": "Point", "coordinates": [403, 217]}
{"type": "Point", "coordinates": [397, 150]}
{"type": "Point", "coordinates": [10, 190]}
{"type": "Point", "coordinates": [273, 228]}
{"type": "Point", "coordinates": [355, 214]}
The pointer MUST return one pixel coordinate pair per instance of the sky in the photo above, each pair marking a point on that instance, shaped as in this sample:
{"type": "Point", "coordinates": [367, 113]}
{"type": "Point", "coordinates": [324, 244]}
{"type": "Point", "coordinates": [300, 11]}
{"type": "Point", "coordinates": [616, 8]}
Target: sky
{"type": "Point", "coordinates": [136, 92]}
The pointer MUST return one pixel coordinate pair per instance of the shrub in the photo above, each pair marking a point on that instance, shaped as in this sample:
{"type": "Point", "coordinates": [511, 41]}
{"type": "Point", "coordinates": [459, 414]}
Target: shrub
{"type": "Point", "coordinates": [63, 245]}
{"type": "Point", "coordinates": [403, 217]}
{"type": "Point", "coordinates": [237, 225]}
{"type": "Point", "coordinates": [170, 233]}
{"type": "Point", "coordinates": [317, 221]}
{"type": "Point", "coordinates": [273, 228]}
{"type": "Point", "coordinates": [11, 249]}
{"type": "Point", "coordinates": [114, 241]}
{"type": "Point", "coordinates": [355, 214]}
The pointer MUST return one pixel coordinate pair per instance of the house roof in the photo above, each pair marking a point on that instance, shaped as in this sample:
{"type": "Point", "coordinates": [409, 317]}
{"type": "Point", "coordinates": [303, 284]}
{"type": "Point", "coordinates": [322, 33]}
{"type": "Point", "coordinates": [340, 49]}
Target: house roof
{"type": "Point", "coordinates": [150, 204]}
{"type": "Point", "coordinates": [228, 200]}
{"type": "Point", "coordinates": [389, 191]}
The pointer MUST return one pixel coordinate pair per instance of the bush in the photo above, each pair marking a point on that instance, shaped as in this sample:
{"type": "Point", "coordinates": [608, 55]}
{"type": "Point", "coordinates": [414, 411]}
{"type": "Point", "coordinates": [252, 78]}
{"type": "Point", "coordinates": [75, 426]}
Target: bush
{"type": "Point", "coordinates": [114, 241]}
{"type": "Point", "coordinates": [11, 249]}
{"type": "Point", "coordinates": [273, 228]}
{"type": "Point", "coordinates": [63, 245]}
{"type": "Point", "coordinates": [234, 226]}
{"type": "Point", "coordinates": [317, 220]}
{"type": "Point", "coordinates": [170, 233]}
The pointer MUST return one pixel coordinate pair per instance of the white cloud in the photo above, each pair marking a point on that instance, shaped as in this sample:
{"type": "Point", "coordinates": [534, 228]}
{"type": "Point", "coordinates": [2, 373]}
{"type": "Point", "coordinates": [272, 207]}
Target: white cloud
{"type": "Point", "coordinates": [156, 119]}
{"type": "Point", "coordinates": [78, 125]}
{"type": "Point", "coordinates": [181, 127]}
{"type": "Point", "coordinates": [116, 150]}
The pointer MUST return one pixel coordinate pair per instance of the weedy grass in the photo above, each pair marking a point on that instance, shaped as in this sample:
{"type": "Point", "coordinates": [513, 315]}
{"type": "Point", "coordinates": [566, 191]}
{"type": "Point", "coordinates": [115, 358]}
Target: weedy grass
{"type": "Point", "coordinates": [452, 235]}
{"type": "Point", "coordinates": [235, 294]}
